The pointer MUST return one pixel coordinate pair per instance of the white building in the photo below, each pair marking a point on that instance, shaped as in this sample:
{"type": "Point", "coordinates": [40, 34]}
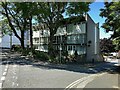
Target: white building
{"type": "Point", "coordinates": [81, 36]}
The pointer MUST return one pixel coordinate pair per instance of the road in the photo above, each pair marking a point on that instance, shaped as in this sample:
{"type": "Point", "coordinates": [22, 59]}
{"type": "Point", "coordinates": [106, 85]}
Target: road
{"type": "Point", "coordinates": [109, 79]}
{"type": "Point", "coordinates": [18, 72]}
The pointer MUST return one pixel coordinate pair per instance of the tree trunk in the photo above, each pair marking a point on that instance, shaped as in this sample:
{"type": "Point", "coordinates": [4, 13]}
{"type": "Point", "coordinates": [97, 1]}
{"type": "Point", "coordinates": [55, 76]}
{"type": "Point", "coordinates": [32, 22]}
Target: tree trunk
{"type": "Point", "coordinates": [51, 50]}
{"type": "Point", "coordinates": [22, 39]}
{"type": "Point", "coordinates": [31, 33]}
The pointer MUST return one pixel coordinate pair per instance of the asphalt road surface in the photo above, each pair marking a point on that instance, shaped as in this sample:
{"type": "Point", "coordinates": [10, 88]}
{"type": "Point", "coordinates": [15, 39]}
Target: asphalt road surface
{"type": "Point", "coordinates": [17, 72]}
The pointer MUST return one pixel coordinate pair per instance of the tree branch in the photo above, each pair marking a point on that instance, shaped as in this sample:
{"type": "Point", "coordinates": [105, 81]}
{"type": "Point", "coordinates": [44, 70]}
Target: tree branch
{"type": "Point", "coordinates": [9, 20]}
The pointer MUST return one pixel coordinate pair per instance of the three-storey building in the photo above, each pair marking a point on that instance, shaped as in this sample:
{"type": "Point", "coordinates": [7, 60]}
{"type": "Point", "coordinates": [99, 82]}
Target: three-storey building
{"type": "Point", "coordinates": [82, 36]}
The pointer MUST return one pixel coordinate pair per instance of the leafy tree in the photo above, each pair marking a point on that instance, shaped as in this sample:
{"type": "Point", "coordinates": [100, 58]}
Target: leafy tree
{"type": "Point", "coordinates": [51, 14]}
{"type": "Point", "coordinates": [111, 12]}
{"type": "Point", "coordinates": [106, 45]}
{"type": "Point", "coordinates": [20, 14]}
{"type": "Point", "coordinates": [116, 42]}
{"type": "Point", "coordinates": [5, 27]}
{"type": "Point", "coordinates": [14, 19]}
{"type": "Point", "coordinates": [29, 10]}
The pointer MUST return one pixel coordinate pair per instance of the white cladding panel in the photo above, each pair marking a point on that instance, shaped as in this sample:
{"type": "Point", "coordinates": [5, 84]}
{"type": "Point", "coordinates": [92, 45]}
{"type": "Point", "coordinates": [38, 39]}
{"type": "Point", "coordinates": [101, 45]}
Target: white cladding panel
{"type": "Point", "coordinates": [35, 34]}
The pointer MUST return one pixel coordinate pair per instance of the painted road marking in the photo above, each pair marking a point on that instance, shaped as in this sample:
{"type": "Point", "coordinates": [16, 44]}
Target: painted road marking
{"type": "Point", "coordinates": [13, 83]}
{"type": "Point", "coordinates": [6, 69]}
{"type": "Point", "coordinates": [76, 82]}
{"type": "Point", "coordinates": [82, 82]}
{"type": "Point", "coordinates": [0, 85]}
{"type": "Point", "coordinates": [116, 87]}
{"type": "Point", "coordinates": [2, 78]}
{"type": "Point", "coordinates": [6, 66]}
{"type": "Point", "coordinates": [5, 73]}
{"type": "Point", "coordinates": [17, 84]}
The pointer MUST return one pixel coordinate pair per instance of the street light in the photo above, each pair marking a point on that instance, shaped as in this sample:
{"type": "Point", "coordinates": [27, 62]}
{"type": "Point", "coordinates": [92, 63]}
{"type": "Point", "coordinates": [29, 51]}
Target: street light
{"type": "Point", "coordinates": [60, 48]}
{"type": "Point", "coordinates": [61, 40]}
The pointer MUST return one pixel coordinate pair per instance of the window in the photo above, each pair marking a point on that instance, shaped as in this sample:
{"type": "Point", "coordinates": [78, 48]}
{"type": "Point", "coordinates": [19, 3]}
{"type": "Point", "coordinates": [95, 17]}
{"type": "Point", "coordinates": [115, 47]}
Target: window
{"type": "Point", "coordinates": [82, 26]}
{"type": "Point", "coordinates": [68, 47]}
{"type": "Point", "coordinates": [45, 39]}
{"type": "Point", "coordinates": [36, 40]}
{"type": "Point", "coordinates": [45, 47]}
{"type": "Point", "coordinates": [74, 47]}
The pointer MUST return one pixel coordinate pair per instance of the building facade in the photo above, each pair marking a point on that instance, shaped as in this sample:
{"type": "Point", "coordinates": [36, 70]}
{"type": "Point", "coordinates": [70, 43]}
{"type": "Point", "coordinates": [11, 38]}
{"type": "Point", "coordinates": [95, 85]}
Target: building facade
{"type": "Point", "coordinates": [81, 36]}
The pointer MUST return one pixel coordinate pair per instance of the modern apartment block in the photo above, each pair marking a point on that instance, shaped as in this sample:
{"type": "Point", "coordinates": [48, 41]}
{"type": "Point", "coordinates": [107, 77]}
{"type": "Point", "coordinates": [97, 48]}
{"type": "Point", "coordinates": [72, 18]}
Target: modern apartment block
{"type": "Point", "coordinates": [81, 36]}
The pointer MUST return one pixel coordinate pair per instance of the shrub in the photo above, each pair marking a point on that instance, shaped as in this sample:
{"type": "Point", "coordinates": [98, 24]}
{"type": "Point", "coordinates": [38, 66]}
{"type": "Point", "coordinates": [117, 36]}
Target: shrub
{"type": "Point", "coordinates": [54, 59]}
{"type": "Point", "coordinates": [65, 53]}
{"type": "Point", "coordinates": [16, 48]}
{"type": "Point", "coordinates": [41, 55]}
{"type": "Point", "coordinates": [26, 52]}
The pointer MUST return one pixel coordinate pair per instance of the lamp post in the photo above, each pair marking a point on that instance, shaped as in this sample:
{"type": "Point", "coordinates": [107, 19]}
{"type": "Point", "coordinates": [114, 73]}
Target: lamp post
{"type": "Point", "coordinates": [60, 48]}
{"type": "Point", "coordinates": [61, 40]}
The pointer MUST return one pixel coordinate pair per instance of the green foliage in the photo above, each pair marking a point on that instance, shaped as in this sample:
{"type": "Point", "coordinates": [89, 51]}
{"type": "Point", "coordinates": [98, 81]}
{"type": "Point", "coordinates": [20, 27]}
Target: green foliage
{"type": "Point", "coordinates": [41, 55]}
{"type": "Point", "coordinates": [77, 8]}
{"type": "Point", "coordinates": [16, 48]}
{"type": "Point", "coordinates": [5, 27]}
{"type": "Point", "coordinates": [55, 60]}
{"type": "Point", "coordinates": [65, 53]}
{"type": "Point", "coordinates": [116, 42]}
{"type": "Point", "coordinates": [111, 12]}
{"type": "Point", "coordinates": [106, 45]}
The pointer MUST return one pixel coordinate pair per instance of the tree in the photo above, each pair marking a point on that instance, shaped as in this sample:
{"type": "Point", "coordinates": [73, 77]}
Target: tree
{"type": "Point", "coordinates": [29, 10]}
{"type": "Point", "coordinates": [51, 14]}
{"type": "Point", "coordinates": [106, 45]}
{"type": "Point", "coordinates": [116, 42]}
{"type": "Point", "coordinates": [111, 12]}
{"type": "Point", "coordinates": [14, 19]}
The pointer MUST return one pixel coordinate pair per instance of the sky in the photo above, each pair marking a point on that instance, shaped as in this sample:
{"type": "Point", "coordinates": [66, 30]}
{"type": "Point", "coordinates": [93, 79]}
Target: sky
{"type": "Point", "coordinates": [94, 13]}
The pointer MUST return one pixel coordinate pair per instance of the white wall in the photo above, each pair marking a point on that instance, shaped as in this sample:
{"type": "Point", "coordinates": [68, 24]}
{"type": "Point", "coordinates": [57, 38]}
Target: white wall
{"type": "Point", "coordinates": [90, 37]}
{"type": "Point", "coordinates": [93, 36]}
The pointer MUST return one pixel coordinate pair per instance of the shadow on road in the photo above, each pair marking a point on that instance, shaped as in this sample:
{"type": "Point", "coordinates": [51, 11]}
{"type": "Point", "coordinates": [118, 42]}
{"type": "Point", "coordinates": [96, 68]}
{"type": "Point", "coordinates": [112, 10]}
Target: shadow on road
{"type": "Point", "coordinates": [81, 68]}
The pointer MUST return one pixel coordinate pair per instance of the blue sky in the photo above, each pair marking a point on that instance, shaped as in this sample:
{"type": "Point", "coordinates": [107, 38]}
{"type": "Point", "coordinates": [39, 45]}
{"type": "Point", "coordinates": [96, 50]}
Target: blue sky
{"type": "Point", "coordinates": [94, 13]}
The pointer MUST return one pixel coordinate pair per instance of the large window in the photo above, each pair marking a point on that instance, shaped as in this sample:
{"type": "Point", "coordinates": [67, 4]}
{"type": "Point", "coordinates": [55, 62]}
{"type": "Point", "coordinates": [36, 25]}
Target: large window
{"type": "Point", "coordinates": [82, 27]}
{"type": "Point", "coordinates": [76, 39]}
{"type": "Point", "coordinates": [76, 28]}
